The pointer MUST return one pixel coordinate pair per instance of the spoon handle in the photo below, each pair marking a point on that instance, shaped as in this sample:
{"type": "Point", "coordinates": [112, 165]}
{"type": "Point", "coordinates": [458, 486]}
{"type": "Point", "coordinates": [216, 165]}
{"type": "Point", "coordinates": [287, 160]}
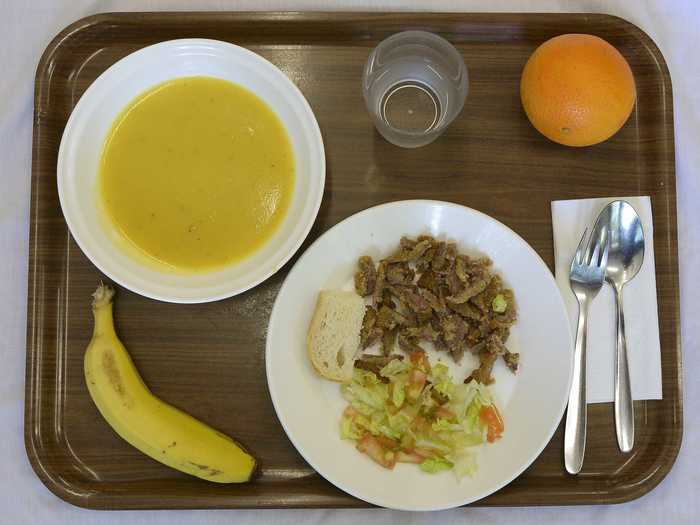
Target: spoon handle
{"type": "Point", "coordinates": [624, 411]}
{"type": "Point", "coordinates": [575, 430]}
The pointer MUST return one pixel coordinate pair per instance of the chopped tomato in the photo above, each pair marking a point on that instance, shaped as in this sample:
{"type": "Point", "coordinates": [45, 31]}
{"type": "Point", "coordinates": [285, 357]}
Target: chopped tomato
{"type": "Point", "coordinates": [420, 360]}
{"type": "Point", "coordinates": [420, 424]}
{"type": "Point", "coordinates": [423, 452]}
{"type": "Point", "coordinates": [407, 442]}
{"type": "Point", "coordinates": [416, 382]}
{"type": "Point", "coordinates": [350, 412]}
{"type": "Point", "coordinates": [490, 417]}
{"type": "Point", "coordinates": [391, 408]}
{"type": "Point", "coordinates": [445, 413]}
{"type": "Point", "coordinates": [387, 442]}
{"type": "Point", "coordinates": [409, 457]}
{"type": "Point", "coordinates": [372, 447]}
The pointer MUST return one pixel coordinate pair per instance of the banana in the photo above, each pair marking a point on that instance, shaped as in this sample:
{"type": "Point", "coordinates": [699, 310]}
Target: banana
{"type": "Point", "coordinates": [156, 428]}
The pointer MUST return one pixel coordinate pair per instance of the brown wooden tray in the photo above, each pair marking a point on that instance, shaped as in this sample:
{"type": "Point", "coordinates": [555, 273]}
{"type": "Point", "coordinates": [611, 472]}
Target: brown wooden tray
{"type": "Point", "coordinates": [208, 359]}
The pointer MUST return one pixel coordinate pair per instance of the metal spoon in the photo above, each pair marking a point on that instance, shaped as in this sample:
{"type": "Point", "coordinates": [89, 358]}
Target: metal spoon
{"type": "Point", "coordinates": [625, 257]}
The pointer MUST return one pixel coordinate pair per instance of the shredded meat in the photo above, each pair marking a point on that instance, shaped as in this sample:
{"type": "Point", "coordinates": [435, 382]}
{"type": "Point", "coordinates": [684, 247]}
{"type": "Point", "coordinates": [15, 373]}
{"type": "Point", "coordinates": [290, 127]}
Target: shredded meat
{"type": "Point", "coordinates": [461, 269]}
{"type": "Point", "coordinates": [434, 302]}
{"type": "Point", "coordinates": [511, 360]}
{"type": "Point", "coordinates": [407, 244]}
{"type": "Point", "coordinates": [483, 373]}
{"type": "Point", "coordinates": [387, 319]}
{"type": "Point", "coordinates": [386, 299]}
{"type": "Point", "coordinates": [427, 292]}
{"type": "Point", "coordinates": [370, 332]}
{"type": "Point", "coordinates": [388, 341]}
{"type": "Point", "coordinates": [424, 332]}
{"type": "Point", "coordinates": [439, 257]}
{"type": "Point", "coordinates": [475, 287]}
{"type": "Point", "coordinates": [494, 345]}
{"type": "Point", "coordinates": [406, 254]}
{"type": "Point", "coordinates": [452, 283]}
{"type": "Point", "coordinates": [408, 344]}
{"type": "Point", "coordinates": [465, 309]}
{"type": "Point", "coordinates": [450, 256]}
{"type": "Point", "coordinates": [429, 281]}
{"type": "Point", "coordinates": [380, 283]}
{"type": "Point", "coordinates": [366, 276]}
{"type": "Point", "coordinates": [414, 301]}
{"type": "Point", "coordinates": [374, 363]}
{"type": "Point", "coordinates": [400, 273]}
{"type": "Point", "coordinates": [454, 330]}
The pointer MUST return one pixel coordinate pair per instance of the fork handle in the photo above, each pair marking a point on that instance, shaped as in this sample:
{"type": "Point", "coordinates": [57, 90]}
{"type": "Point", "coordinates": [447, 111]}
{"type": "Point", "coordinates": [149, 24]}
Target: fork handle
{"type": "Point", "coordinates": [575, 431]}
{"type": "Point", "coordinates": [624, 410]}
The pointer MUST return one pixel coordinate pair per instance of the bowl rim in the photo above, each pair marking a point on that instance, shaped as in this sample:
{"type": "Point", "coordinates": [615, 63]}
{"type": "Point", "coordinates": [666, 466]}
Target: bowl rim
{"type": "Point", "coordinates": [289, 86]}
{"type": "Point", "coordinates": [269, 374]}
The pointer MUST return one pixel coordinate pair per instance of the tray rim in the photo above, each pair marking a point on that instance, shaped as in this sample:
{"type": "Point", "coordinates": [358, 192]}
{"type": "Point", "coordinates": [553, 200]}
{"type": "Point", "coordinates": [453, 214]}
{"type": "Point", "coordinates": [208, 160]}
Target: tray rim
{"type": "Point", "coordinates": [63, 490]}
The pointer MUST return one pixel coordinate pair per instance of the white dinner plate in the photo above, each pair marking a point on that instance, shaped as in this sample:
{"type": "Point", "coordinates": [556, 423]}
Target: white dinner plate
{"type": "Point", "coordinates": [532, 401]}
{"type": "Point", "coordinates": [81, 148]}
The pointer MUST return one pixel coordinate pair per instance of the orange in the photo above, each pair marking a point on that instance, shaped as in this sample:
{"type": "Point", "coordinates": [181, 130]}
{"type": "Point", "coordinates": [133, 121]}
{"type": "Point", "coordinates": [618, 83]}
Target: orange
{"type": "Point", "coordinates": [577, 90]}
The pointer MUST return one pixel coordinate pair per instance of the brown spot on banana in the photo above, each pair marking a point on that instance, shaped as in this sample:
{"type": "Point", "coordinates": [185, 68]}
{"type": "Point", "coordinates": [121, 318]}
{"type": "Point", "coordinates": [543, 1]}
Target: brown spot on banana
{"type": "Point", "coordinates": [209, 470]}
{"type": "Point", "coordinates": [109, 367]}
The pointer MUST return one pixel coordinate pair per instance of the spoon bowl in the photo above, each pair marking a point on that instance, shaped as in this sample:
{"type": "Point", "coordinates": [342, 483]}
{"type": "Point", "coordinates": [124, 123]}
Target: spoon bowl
{"type": "Point", "coordinates": [620, 222]}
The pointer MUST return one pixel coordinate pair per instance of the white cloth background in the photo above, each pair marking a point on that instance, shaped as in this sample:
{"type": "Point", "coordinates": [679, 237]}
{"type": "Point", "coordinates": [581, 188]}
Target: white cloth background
{"type": "Point", "coordinates": [27, 26]}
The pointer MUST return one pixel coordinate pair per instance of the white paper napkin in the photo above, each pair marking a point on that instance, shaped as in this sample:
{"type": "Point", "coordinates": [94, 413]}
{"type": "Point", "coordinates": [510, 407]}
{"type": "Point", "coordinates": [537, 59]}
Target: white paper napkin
{"type": "Point", "coordinates": [569, 220]}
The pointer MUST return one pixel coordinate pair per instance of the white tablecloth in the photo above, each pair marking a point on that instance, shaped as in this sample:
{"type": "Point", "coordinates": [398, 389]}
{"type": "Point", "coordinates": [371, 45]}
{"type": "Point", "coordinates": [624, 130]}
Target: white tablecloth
{"type": "Point", "coordinates": [27, 26]}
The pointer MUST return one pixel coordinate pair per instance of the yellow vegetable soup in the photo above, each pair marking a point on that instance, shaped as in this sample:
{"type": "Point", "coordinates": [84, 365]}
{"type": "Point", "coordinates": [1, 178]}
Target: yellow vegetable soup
{"type": "Point", "coordinates": [197, 173]}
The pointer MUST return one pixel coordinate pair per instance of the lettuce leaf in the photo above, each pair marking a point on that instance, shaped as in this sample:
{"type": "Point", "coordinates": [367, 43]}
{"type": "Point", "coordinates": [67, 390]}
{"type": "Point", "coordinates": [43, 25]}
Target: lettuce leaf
{"type": "Point", "coordinates": [444, 433]}
{"type": "Point", "coordinates": [442, 381]}
{"type": "Point", "coordinates": [394, 368]}
{"type": "Point", "coordinates": [433, 465]}
{"type": "Point", "coordinates": [398, 394]}
{"type": "Point", "coordinates": [499, 304]}
{"type": "Point", "coordinates": [464, 464]}
{"type": "Point", "coordinates": [348, 429]}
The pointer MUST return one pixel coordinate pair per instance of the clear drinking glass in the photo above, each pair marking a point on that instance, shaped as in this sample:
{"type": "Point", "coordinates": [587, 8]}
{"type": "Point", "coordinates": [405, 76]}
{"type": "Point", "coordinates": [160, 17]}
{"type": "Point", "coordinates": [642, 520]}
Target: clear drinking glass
{"type": "Point", "coordinates": [414, 84]}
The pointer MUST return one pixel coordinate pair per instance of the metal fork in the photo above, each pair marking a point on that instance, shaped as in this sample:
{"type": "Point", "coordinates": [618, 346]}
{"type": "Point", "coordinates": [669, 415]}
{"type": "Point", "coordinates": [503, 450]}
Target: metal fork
{"type": "Point", "coordinates": [586, 278]}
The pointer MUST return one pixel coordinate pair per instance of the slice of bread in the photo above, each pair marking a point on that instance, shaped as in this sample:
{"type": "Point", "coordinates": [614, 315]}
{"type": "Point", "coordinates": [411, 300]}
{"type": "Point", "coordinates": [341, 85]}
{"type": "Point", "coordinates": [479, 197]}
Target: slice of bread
{"type": "Point", "coordinates": [333, 340]}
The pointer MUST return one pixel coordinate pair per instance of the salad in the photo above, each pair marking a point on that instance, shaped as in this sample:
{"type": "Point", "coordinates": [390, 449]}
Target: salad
{"type": "Point", "coordinates": [412, 412]}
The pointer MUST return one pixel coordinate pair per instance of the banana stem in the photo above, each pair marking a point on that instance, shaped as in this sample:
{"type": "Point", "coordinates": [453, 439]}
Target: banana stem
{"type": "Point", "coordinates": [102, 310]}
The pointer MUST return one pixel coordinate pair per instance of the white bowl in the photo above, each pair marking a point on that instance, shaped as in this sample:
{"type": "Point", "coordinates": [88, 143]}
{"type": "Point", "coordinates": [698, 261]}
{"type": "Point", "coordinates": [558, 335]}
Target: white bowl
{"type": "Point", "coordinates": [532, 401]}
{"type": "Point", "coordinates": [92, 118]}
